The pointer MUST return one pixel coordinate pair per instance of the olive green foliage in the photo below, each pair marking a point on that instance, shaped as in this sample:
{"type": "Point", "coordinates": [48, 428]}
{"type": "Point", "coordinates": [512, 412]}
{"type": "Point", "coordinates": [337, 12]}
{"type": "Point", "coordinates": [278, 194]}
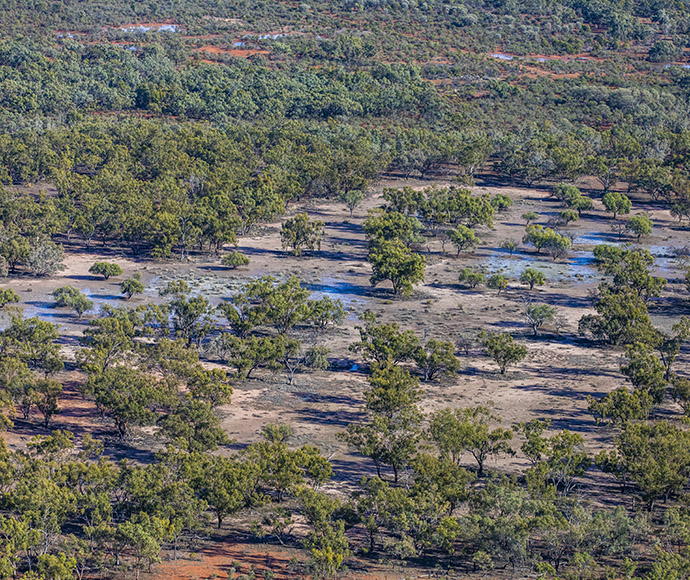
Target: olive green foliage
{"type": "Point", "coordinates": [471, 278]}
{"type": "Point", "coordinates": [300, 233]}
{"type": "Point", "coordinates": [547, 239]}
{"type": "Point", "coordinates": [69, 297]}
{"type": "Point", "coordinates": [352, 199]}
{"type": "Point", "coordinates": [539, 314]}
{"type": "Point", "coordinates": [640, 225]}
{"type": "Point", "coordinates": [8, 296]}
{"type": "Point", "coordinates": [653, 456]}
{"type": "Point", "coordinates": [437, 357]}
{"type": "Point", "coordinates": [510, 245]}
{"type": "Point", "coordinates": [384, 343]}
{"type": "Point", "coordinates": [463, 238]}
{"type": "Point", "coordinates": [531, 277]}
{"type": "Point", "coordinates": [234, 260]}
{"type": "Point", "coordinates": [139, 142]}
{"type": "Point", "coordinates": [503, 349]}
{"type": "Point", "coordinates": [616, 203]}
{"type": "Point", "coordinates": [393, 261]}
{"type": "Point", "coordinates": [460, 431]}
{"type": "Point", "coordinates": [497, 282]}
{"type": "Point", "coordinates": [132, 286]}
{"type": "Point", "coordinates": [105, 269]}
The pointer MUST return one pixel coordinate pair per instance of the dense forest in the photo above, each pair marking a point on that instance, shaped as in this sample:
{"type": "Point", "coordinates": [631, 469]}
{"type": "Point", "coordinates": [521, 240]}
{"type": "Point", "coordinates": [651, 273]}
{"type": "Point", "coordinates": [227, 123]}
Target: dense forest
{"type": "Point", "coordinates": [366, 289]}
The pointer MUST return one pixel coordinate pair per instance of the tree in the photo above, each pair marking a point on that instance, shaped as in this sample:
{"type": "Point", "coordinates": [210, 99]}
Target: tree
{"type": "Point", "coordinates": [680, 392]}
{"type": "Point", "coordinates": [539, 314]}
{"type": "Point", "coordinates": [254, 352]}
{"type": "Point", "coordinates": [33, 341]}
{"type": "Point", "coordinates": [325, 312]}
{"type": "Point", "coordinates": [45, 394]}
{"type": "Point", "coordinates": [529, 217]}
{"type": "Point", "coordinates": [193, 426]}
{"type": "Point", "coordinates": [568, 215]}
{"type": "Point", "coordinates": [226, 484]}
{"type": "Point", "coordinates": [557, 245]}
{"type": "Point", "coordinates": [127, 395]}
{"type": "Point", "coordinates": [463, 238]}
{"type": "Point", "coordinates": [556, 460]}
{"type": "Point", "coordinates": [510, 245]}
{"type": "Point", "coordinates": [105, 269]}
{"type": "Point", "coordinates": [45, 258]}
{"type": "Point", "coordinates": [191, 316]}
{"type": "Point", "coordinates": [352, 199]}
{"type": "Point", "coordinates": [8, 296]}
{"type": "Point", "coordinates": [566, 192]}
{"type": "Point", "coordinates": [621, 318]}
{"type": "Point", "coordinates": [640, 225]}
{"type": "Point", "coordinates": [387, 441]}
{"type": "Point", "coordinates": [621, 406]}
{"type": "Point", "coordinates": [437, 357]}
{"type": "Point", "coordinates": [327, 540]}
{"type": "Point", "coordinates": [581, 204]}
{"type": "Point", "coordinates": [470, 278]}
{"type": "Point", "coordinates": [630, 269]}
{"type": "Point", "coordinates": [132, 286]}
{"type": "Point", "coordinates": [70, 297]}
{"type": "Point", "coordinates": [394, 261]}
{"type": "Point", "coordinates": [655, 456]}
{"type": "Point", "coordinates": [392, 390]}
{"type": "Point", "coordinates": [56, 566]}
{"type": "Point", "coordinates": [664, 51]}
{"type": "Point", "coordinates": [532, 278]}
{"type": "Point", "coordinates": [381, 227]}
{"type": "Point", "coordinates": [503, 349]}
{"type": "Point", "coordinates": [390, 434]}
{"type": "Point", "coordinates": [384, 343]}
{"type": "Point", "coordinates": [234, 260]}
{"type": "Point", "coordinates": [546, 238]}
{"type": "Point", "coordinates": [142, 536]}
{"type": "Point", "coordinates": [497, 282]}
{"type": "Point", "coordinates": [457, 431]}
{"type": "Point", "coordinates": [300, 233]}
{"type": "Point", "coordinates": [645, 371]}
{"type": "Point", "coordinates": [616, 203]}
{"type": "Point", "coordinates": [282, 469]}
{"type": "Point", "coordinates": [501, 202]}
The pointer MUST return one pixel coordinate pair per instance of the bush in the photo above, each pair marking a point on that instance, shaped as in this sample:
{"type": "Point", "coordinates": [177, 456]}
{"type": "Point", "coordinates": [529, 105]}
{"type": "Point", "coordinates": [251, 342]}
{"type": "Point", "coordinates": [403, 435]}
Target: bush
{"type": "Point", "coordinates": [69, 297]}
{"type": "Point", "coordinates": [45, 258]}
{"type": "Point", "coordinates": [234, 260]}
{"type": "Point", "coordinates": [132, 286]}
{"type": "Point", "coordinates": [639, 225]}
{"type": "Point", "coordinates": [497, 282]}
{"type": "Point", "coordinates": [470, 278]}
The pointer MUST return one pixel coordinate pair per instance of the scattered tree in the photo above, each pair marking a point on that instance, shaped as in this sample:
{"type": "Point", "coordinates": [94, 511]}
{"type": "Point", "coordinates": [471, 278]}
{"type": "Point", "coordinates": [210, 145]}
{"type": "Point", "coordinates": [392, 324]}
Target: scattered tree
{"type": "Point", "coordinates": [105, 269]}
{"type": "Point", "coordinates": [503, 349]}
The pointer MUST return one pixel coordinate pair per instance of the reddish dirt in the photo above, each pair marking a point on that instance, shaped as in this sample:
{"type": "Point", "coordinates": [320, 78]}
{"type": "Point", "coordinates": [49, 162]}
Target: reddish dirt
{"type": "Point", "coordinates": [147, 24]}
{"type": "Point", "coordinates": [240, 52]}
{"type": "Point", "coordinates": [216, 562]}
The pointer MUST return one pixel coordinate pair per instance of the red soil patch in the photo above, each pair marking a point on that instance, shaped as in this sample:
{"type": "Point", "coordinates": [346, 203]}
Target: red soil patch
{"type": "Point", "coordinates": [217, 561]}
{"type": "Point", "coordinates": [148, 24]}
{"type": "Point", "coordinates": [240, 52]}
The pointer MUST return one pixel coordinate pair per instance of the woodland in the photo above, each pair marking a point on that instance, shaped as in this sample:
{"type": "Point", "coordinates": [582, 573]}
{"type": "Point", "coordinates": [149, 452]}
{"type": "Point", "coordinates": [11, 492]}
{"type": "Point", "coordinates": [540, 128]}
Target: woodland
{"type": "Point", "coordinates": [367, 289]}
